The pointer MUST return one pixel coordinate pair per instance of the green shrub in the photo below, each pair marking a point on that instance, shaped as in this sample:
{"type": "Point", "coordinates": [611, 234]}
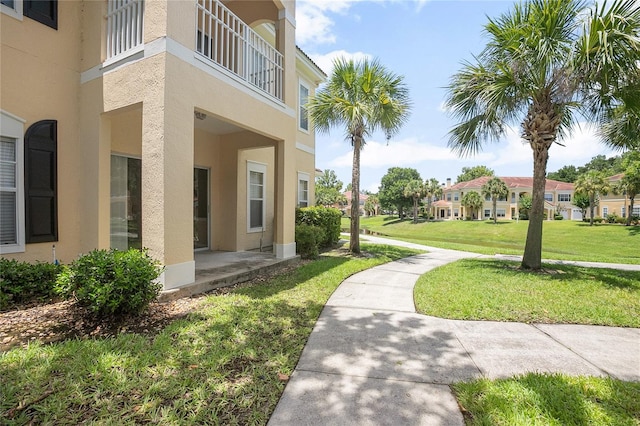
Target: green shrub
{"type": "Point", "coordinates": [326, 218]}
{"type": "Point", "coordinates": [598, 219]}
{"type": "Point", "coordinates": [620, 219]}
{"type": "Point", "coordinates": [558, 217]}
{"type": "Point", "coordinates": [308, 239]}
{"type": "Point", "coordinates": [22, 282]}
{"type": "Point", "coordinates": [612, 218]}
{"type": "Point", "coordinates": [111, 282]}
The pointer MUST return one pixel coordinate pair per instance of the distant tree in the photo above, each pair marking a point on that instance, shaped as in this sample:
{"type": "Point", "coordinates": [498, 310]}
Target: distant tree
{"type": "Point", "coordinates": [565, 174]}
{"type": "Point", "coordinates": [415, 191]}
{"type": "Point", "coordinates": [349, 187]}
{"type": "Point", "coordinates": [472, 201]}
{"type": "Point", "coordinates": [432, 189]}
{"type": "Point", "coordinates": [391, 193]}
{"type": "Point", "coordinates": [592, 184]}
{"type": "Point", "coordinates": [364, 97]}
{"type": "Point", "coordinates": [581, 201]}
{"type": "Point", "coordinates": [496, 189]}
{"type": "Point", "coordinates": [629, 184]}
{"type": "Point", "coordinates": [600, 163]}
{"type": "Point", "coordinates": [524, 205]}
{"type": "Point", "coordinates": [471, 173]}
{"type": "Point", "coordinates": [371, 205]}
{"type": "Point", "coordinates": [328, 189]}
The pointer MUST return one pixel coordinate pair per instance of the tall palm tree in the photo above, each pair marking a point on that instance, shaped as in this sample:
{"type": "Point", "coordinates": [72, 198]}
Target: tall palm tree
{"type": "Point", "coordinates": [432, 189]}
{"type": "Point", "coordinates": [629, 184]}
{"type": "Point", "coordinates": [415, 191]}
{"type": "Point", "coordinates": [546, 64]}
{"type": "Point", "coordinates": [472, 201]}
{"type": "Point", "coordinates": [495, 188]}
{"type": "Point", "coordinates": [364, 97]}
{"type": "Point", "coordinates": [592, 184]}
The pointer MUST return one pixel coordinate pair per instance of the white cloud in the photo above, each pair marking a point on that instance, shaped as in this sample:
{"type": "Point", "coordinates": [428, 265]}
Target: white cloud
{"type": "Point", "coordinates": [313, 24]}
{"type": "Point", "coordinates": [325, 62]}
{"type": "Point", "coordinates": [400, 153]}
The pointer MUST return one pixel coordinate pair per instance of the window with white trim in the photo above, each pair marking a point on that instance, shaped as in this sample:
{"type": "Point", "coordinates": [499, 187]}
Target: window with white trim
{"type": "Point", "coordinates": [623, 211]}
{"type": "Point", "coordinates": [455, 213]}
{"type": "Point", "coordinates": [448, 196]}
{"type": "Point", "coordinates": [303, 189]}
{"type": "Point", "coordinates": [12, 8]}
{"type": "Point", "coordinates": [605, 211]}
{"type": "Point", "coordinates": [548, 197]}
{"type": "Point", "coordinates": [303, 114]}
{"type": "Point", "coordinates": [487, 213]}
{"type": "Point", "coordinates": [501, 213]}
{"type": "Point", "coordinates": [456, 196]}
{"type": "Point", "coordinates": [12, 228]}
{"type": "Point", "coordinates": [636, 211]}
{"type": "Point", "coordinates": [564, 198]}
{"type": "Point", "coordinates": [256, 191]}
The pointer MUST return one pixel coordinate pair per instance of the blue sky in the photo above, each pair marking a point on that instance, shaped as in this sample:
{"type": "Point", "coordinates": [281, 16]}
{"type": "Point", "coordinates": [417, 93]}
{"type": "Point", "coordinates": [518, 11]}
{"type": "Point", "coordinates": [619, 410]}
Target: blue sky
{"type": "Point", "coordinates": [425, 41]}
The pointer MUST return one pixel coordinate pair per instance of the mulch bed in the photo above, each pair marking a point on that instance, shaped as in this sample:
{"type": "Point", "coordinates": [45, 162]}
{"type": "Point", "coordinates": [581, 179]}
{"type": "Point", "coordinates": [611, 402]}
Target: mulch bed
{"type": "Point", "coordinates": [53, 322]}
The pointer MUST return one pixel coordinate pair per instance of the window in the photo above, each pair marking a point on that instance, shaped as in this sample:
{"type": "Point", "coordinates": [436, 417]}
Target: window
{"type": "Point", "coordinates": [302, 111]}
{"type": "Point", "coordinates": [456, 196]}
{"type": "Point", "coordinates": [605, 211]}
{"type": "Point", "coordinates": [12, 8]}
{"type": "Point", "coordinates": [636, 211]}
{"type": "Point", "coordinates": [623, 211]}
{"type": "Point", "coordinates": [12, 238]}
{"type": "Point", "coordinates": [41, 181]}
{"type": "Point", "coordinates": [448, 196]}
{"type": "Point", "coordinates": [501, 212]}
{"type": "Point", "coordinates": [513, 197]}
{"type": "Point", "coordinates": [256, 182]}
{"type": "Point", "coordinates": [303, 189]}
{"type": "Point", "coordinates": [126, 203]}
{"type": "Point", "coordinates": [564, 197]}
{"type": "Point", "coordinates": [548, 197]}
{"type": "Point", "coordinates": [43, 11]}
{"type": "Point", "coordinates": [455, 212]}
{"type": "Point", "coordinates": [487, 213]}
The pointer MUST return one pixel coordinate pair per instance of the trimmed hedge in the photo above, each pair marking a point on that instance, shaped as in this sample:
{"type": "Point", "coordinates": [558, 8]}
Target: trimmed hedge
{"type": "Point", "coordinates": [111, 282]}
{"type": "Point", "coordinates": [22, 282]}
{"type": "Point", "coordinates": [326, 218]}
{"type": "Point", "coordinates": [316, 227]}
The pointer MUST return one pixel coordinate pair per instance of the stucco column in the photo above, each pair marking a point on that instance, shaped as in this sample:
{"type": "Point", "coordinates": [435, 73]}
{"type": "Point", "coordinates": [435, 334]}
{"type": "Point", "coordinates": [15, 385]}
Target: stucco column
{"type": "Point", "coordinates": [284, 245]}
{"type": "Point", "coordinates": [167, 185]}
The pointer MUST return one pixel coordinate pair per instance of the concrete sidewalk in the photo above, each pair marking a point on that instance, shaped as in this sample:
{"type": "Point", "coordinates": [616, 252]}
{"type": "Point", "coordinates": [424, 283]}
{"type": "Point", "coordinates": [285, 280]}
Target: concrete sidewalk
{"type": "Point", "coordinates": [372, 360]}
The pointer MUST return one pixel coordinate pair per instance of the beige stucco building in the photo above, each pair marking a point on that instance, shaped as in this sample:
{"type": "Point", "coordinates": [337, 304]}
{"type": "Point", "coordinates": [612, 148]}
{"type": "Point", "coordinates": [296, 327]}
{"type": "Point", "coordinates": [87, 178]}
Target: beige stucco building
{"type": "Point", "coordinates": [558, 196]}
{"type": "Point", "coordinates": [616, 202]}
{"type": "Point", "coordinates": [175, 125]}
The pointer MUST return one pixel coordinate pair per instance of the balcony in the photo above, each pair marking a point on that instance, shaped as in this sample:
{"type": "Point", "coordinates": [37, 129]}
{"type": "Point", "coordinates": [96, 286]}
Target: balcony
{"type": "Point", "coordinates": [222, 39]}
{"type": "Point", "coordinates": [226, 41]}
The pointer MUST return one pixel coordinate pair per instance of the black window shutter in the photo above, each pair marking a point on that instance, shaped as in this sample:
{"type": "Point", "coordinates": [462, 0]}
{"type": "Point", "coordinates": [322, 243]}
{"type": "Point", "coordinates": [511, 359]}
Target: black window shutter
{"type": "Point", "coordinates": [41, 181]}
{"type": "Point", "coordinates": [43, 11]}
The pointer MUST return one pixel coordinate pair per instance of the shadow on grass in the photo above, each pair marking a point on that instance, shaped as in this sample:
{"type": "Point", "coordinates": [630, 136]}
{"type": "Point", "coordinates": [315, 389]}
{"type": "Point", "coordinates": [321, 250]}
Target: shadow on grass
{"type": "Point", "coordinates": [549, 399]}
{"type": "Point", "coordinates": [627, 280]}
{"type": "Point", "coordinates": [490, 222]}
{"type": "Point", "coordinates": [633, 230]}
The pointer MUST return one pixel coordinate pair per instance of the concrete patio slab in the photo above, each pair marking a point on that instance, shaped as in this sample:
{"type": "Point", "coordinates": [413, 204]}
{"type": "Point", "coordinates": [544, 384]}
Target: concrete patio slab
{"type": "Point", "coordinates": [326, 399]}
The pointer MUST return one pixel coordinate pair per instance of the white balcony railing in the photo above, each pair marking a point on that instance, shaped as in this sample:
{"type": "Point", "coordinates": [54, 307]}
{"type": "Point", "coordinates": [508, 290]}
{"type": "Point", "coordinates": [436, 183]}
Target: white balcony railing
{"type": "Point", "coordinates": [227, 41]}
{"type": "Point", "coordinates": [125, 22]}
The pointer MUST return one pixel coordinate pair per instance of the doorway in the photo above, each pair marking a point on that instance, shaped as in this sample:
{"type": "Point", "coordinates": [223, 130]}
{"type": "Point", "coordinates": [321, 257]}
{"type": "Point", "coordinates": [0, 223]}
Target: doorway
{"type": "Point", "coordinates": [200, 209]}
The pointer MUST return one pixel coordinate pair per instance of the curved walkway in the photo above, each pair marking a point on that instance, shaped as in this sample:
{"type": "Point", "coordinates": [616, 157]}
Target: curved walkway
{"type": "Point", "coordinates": [372, 360]}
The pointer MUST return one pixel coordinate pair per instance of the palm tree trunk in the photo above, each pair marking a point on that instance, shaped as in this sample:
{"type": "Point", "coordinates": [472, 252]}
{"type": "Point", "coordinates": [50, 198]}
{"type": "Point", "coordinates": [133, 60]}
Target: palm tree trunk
{"type": "Point", "coordinates": [532, 258]}
{"type": "Point", "coordinates": [415, 210]}
{"type": "Point", "coordinates": [495, 210]}
{"type": "Point", "coordinates": [630, 213]}
{"type": "Point", "coordinates": [354, 243]}
{"type": "Point", "coordinates": [592, 208]}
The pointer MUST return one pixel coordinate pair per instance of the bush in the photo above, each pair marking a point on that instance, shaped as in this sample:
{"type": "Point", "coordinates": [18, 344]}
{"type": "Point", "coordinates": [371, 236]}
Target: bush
{"type": "Point", "coordinates": [620, 219]}
{"type": "Point", "coordinates": [308, 239]}
{"type": "Point", "coordinates": [558, 217]}
{"type": "Point", "coordinates": [612, 218]}
{"type": "Point", "coordinates": [327, 219]}
{"type": "Point", "coordinates": [523, 216]}
{"type": "Point", "coordinates": [111, 282]}
{"type": "Point", "coordinates": [598, 219]}
{"type": "Point", "coordinates": [22, 282]}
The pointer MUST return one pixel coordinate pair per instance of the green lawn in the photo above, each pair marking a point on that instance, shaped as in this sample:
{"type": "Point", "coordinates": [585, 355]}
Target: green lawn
{"type": "Point", "coordinates": [489, 289]}
{"type": "Point", "coordinates": [224, 364]}
{"type": "Point", "coordinates": [562, 239]}
{"type": "Point", "coordinates": [543, 399]}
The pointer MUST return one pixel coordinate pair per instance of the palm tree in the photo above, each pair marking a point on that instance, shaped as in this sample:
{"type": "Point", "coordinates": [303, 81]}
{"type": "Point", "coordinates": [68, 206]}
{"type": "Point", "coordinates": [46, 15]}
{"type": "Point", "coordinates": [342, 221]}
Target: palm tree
{"type": "Point", "coordinates": [629, 184]}
{"type": "Point", "coordinates": [496, 189]}
{"type": "Point", "coordinates": [432, 189]}
{"type": "Point", "coordinates": [363, 96]}
{"type": "Point", "coordinates": [415, 191]}
{"type": "Point", "coordinates": [547, 64]}
{"type": "Point", "coordinates": [472, 201]}
{"type": "Point", "coordinates": [592, 184]}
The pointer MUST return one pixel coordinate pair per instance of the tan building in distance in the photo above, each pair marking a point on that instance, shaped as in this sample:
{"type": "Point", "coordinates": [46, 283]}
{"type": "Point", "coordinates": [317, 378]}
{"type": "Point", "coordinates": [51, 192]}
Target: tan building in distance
{"type": "Point", "coordinates": [171, 125]}
{"type": "Point", "coordinates": [558, 196]}
{"type": "Point", "coordinates": [616, 204]}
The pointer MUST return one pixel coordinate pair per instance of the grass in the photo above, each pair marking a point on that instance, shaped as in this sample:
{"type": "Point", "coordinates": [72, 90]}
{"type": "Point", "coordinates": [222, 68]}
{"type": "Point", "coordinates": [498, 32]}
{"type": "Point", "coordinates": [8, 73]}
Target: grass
{"type": "Point", "coordinates": [489, 289]}
{"type": "Point", "coordinates": [227, 363]}
{"type": "Point", "coordinates": [562, 239]}
{"type": "Point", "coordinates": [537, 399]}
